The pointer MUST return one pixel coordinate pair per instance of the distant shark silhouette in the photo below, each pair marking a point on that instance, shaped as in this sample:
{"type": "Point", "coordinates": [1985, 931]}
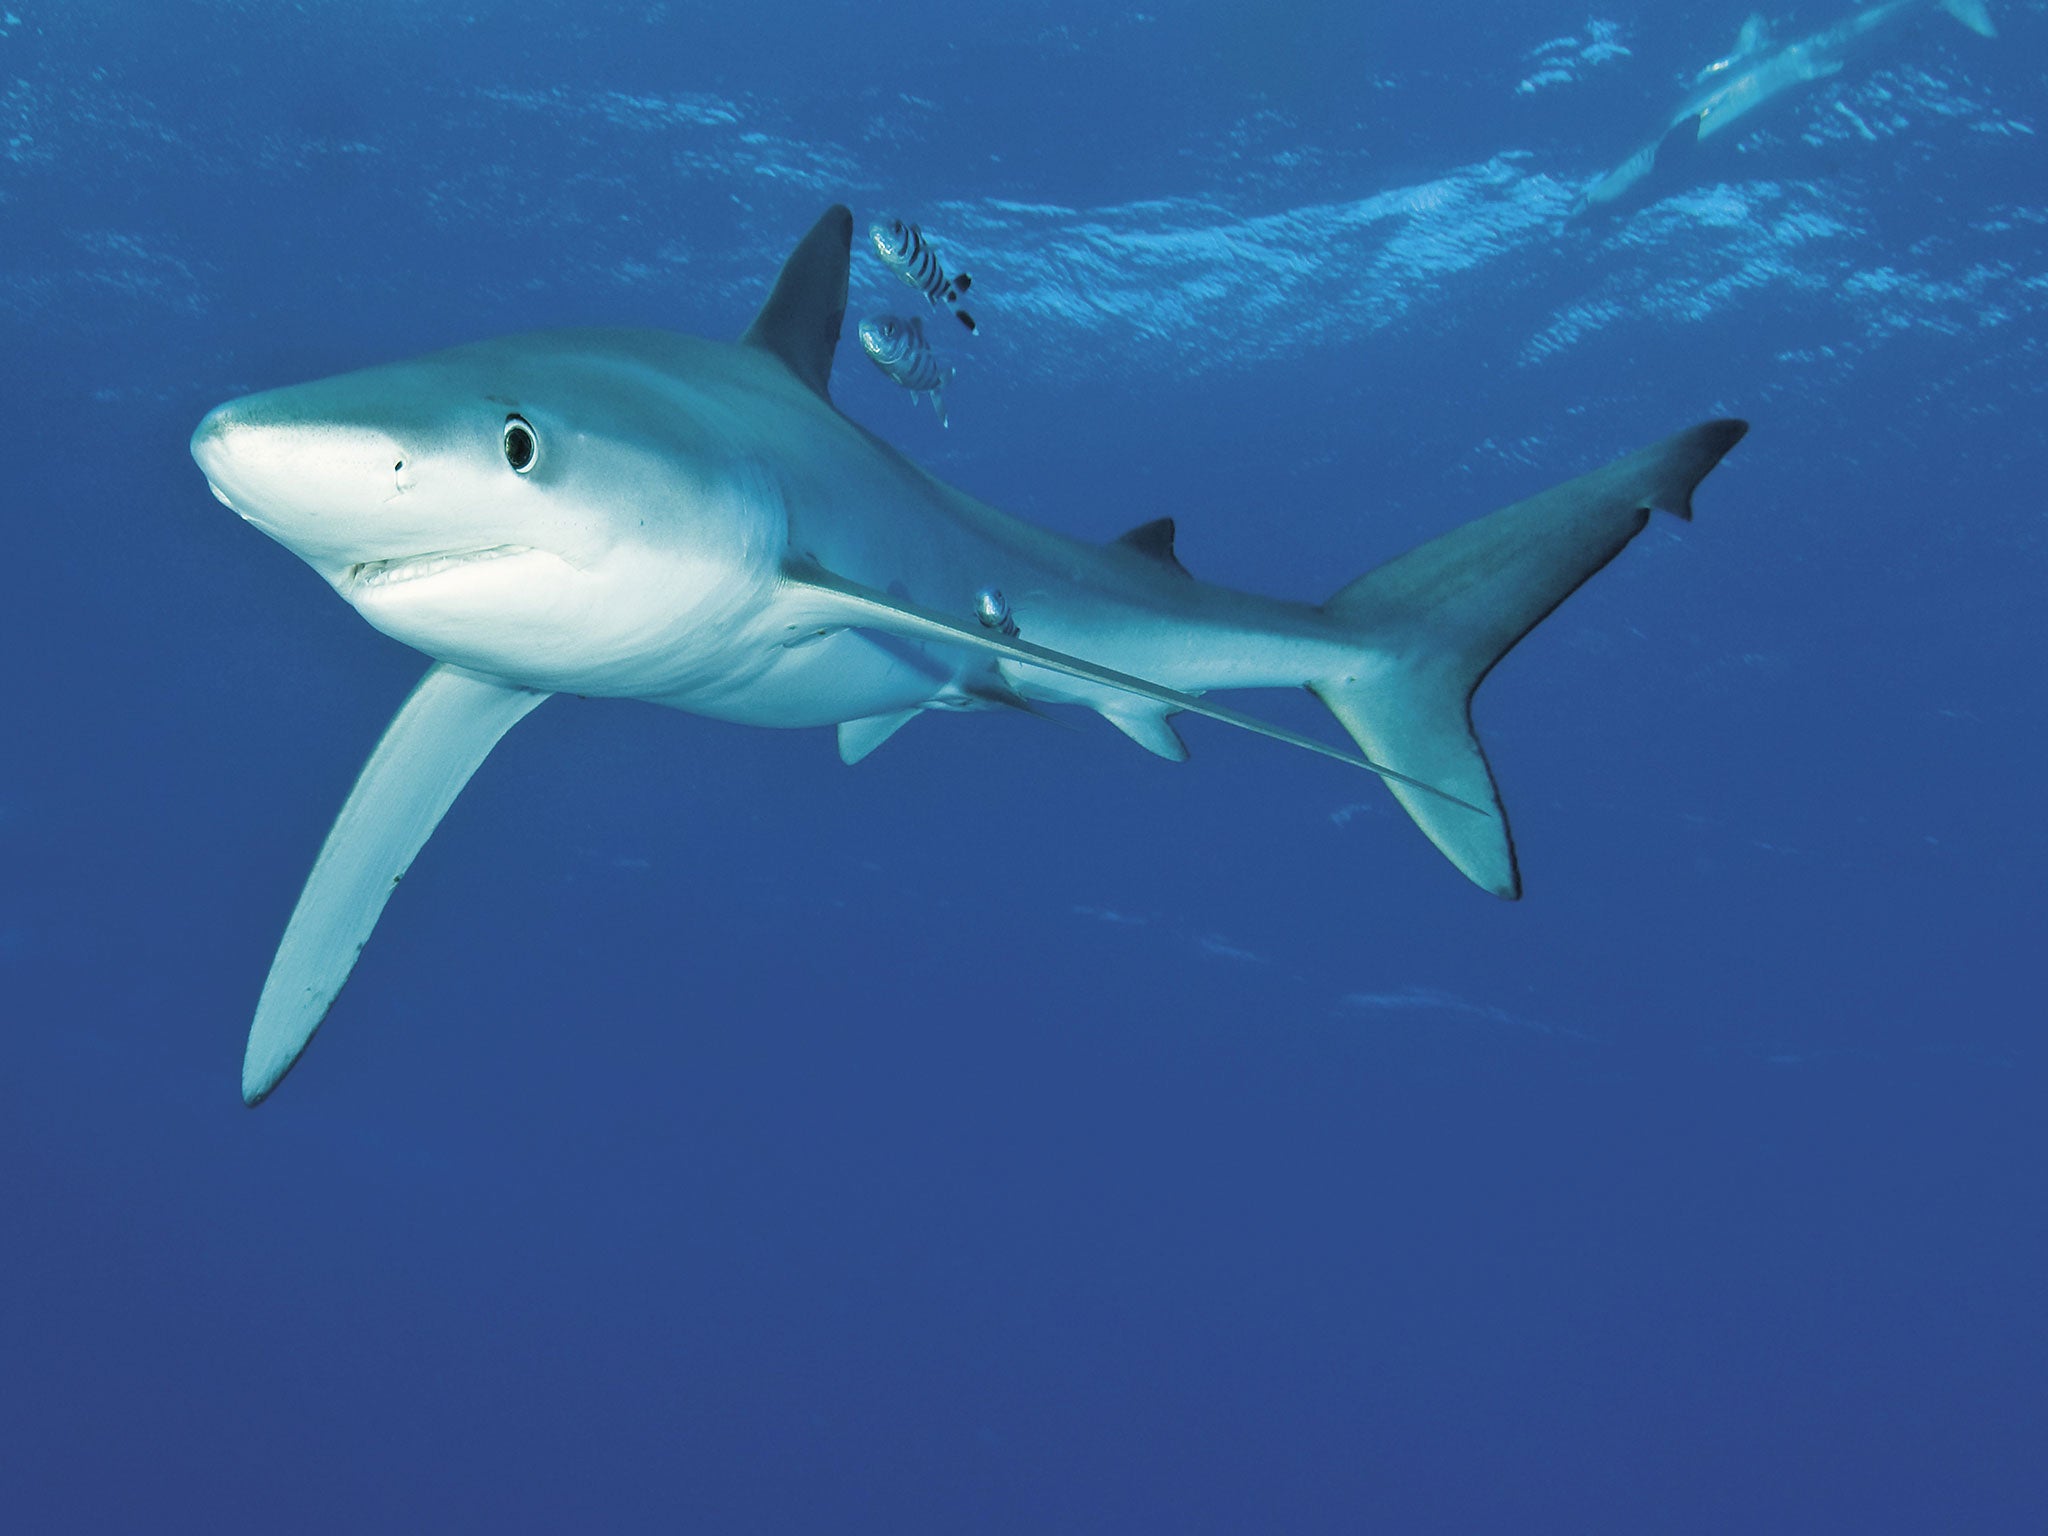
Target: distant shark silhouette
{"type": "Point", "coordinates": [642, 515]}
{"type": "Point", "coordinates": [1759, 71]}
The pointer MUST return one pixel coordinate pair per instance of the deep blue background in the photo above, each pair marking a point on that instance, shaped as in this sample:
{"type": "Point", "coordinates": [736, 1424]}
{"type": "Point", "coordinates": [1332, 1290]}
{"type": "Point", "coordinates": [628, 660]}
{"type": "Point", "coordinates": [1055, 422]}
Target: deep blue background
{"type": "Point", "coordinates": [1016, 1132]}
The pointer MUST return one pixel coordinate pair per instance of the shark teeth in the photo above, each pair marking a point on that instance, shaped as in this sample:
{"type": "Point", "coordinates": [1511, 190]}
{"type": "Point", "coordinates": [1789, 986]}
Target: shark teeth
{"type": "Point", "coordinates": [370, 574]}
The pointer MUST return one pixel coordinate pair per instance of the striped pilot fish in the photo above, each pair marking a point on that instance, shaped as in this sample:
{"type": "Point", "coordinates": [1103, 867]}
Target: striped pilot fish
{"type": "Point", "coordinates": [903, 251]}
{"type": "Point", "coordinates": [897, 347]}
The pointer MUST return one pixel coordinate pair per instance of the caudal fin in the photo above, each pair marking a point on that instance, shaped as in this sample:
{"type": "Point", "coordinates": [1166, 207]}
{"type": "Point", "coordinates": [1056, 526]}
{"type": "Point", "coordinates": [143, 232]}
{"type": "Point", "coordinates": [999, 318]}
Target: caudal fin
{"type": "Point", "coordinates": [1973, 14]}
{"type": "Point", "coordinates": [1431, 624]}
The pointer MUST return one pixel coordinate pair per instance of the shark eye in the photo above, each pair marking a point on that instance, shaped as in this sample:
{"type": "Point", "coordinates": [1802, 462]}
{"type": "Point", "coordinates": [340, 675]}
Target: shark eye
{"type": "Point", "coordinates": [522, 448]}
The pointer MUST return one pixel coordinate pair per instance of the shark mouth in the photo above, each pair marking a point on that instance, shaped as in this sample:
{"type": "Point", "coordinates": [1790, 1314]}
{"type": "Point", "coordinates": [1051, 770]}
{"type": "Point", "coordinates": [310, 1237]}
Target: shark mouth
{"type": "Point", "coordinates": [371, 575]}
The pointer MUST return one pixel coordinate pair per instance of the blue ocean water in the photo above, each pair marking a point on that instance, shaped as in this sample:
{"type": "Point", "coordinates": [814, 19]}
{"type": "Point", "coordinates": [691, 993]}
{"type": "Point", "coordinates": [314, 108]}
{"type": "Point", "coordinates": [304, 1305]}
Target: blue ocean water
{"type": "Point", "coordinates": [1016, 1132]}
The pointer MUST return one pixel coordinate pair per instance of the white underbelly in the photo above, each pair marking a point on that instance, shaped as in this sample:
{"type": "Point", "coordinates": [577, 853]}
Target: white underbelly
{"type": "Point", "coordinates": [821, 680]}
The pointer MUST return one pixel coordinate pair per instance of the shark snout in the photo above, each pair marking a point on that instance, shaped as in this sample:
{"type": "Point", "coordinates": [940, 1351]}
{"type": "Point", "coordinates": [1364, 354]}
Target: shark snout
{"type": "Point", "coordinates": [209, 437]}
{"type": "Point", "coordinates": [214, 450]}
{"type": "Point", "coordinates": [248, 456]}
{"type": "Point", "coordinates": [292, 472]}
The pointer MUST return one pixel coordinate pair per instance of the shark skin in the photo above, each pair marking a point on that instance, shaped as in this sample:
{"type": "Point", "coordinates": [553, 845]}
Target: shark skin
{"type": "Point", "coordinates": [642, 515]}
{"type": "Point", "coordinates": [1756, 72]}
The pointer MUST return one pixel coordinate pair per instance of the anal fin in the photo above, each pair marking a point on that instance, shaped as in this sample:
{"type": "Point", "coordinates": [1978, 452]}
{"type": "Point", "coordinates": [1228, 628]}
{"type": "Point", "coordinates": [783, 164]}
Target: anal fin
{"type": "Point", "coordinates": [1150, 729]}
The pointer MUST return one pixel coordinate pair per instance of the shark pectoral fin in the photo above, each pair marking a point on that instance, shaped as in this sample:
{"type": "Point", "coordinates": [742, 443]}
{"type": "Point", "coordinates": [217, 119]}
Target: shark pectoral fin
{"type": "Point", "coordinates": [866, 608]}
{"type": "Point", "coordinates": [432, 746]}
{"type": "Point", "coordinates": [857, 738]}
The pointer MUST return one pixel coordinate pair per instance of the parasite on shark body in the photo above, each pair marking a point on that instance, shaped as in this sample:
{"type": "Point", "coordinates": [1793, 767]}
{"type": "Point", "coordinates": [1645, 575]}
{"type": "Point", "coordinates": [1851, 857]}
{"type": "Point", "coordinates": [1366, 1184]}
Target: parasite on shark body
{"type": "Point", "coordinates": [642, 515]}
{"type": "Point", "coordinates": [993, 609]}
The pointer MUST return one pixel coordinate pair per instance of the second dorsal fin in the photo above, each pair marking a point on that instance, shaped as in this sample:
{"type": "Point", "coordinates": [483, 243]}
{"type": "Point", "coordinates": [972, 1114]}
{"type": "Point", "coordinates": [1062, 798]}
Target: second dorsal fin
{"type": "Point", "coordinates": [800, 323]}
{"type": "Point", "coordinates": [1153, 540]}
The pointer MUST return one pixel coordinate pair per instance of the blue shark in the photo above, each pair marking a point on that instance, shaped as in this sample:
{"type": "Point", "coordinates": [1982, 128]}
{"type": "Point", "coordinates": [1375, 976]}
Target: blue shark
{"type": "Point", "coordinates": [642, 515]}
{"type": "Point", "coordinates": [1759, 70]}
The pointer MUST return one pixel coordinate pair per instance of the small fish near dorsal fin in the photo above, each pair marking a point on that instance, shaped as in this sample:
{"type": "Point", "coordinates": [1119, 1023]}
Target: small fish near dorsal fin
{"type": "Point", "coordinates": [801, 321]}
{"type": "Point", "coordinates": [1153, 540]}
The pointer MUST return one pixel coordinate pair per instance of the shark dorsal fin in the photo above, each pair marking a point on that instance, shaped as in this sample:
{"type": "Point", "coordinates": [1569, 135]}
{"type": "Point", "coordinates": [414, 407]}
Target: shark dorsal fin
{"type": "Point", "coordinates": [800, 323]}
{"type": "Point", "coordinates": [1153, 540]}
{"type": "Point", "coordinates": [1753, 39]}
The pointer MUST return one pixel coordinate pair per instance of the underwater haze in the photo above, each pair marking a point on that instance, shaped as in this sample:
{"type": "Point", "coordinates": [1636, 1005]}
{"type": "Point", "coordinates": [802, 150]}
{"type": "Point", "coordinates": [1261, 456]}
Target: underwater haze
{"type": "Point", "coordinates": [1014, 1131]}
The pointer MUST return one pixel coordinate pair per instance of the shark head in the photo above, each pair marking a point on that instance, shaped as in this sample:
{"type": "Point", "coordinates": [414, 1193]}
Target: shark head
{"type": "Point", "coordinates": [540, 508]}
